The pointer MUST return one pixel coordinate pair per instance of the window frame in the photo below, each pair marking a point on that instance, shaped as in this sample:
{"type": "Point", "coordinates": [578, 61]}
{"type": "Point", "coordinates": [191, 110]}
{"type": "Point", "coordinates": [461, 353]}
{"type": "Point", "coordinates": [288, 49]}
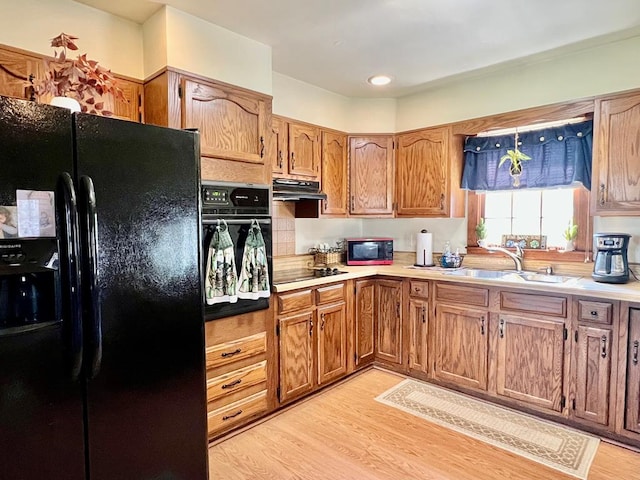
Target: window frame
{"type": "Point", "coordinates": [581, 217]}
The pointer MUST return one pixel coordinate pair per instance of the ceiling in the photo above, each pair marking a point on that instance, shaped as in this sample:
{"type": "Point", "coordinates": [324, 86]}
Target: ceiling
{"type": "Point", "coordinates": [338, 44]}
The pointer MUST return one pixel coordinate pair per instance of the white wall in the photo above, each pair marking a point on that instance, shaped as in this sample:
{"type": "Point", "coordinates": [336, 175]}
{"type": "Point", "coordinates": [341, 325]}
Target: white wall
{"type": "Point", "coordinates": [114, 42]}
{"type": "Point", "coordinates": [201, 47]}
{"type": "Point", "coordinates": [630, 225]}
{"type": "Point", "coordinates": [311, 231]}
{"type": "Point", "coordinates": [593, 71]}
{"type": "Point", "coordinates": [154, 35]}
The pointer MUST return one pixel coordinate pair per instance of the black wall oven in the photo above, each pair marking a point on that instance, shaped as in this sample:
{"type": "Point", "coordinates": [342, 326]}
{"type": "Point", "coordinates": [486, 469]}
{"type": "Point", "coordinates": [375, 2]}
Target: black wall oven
{"type": "Point", "coordinates": [238, 205]}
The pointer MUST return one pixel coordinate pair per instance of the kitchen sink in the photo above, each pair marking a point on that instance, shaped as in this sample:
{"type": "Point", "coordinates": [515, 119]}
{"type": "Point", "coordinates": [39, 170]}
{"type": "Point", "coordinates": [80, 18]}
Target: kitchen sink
{"type": "Point", "coordinates": [510, 275]}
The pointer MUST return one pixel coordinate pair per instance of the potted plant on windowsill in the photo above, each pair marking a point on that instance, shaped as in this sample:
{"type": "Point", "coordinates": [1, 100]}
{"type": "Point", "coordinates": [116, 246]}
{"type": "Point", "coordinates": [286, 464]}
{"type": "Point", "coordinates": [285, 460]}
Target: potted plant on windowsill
{"type": "Point", "coordinates": [570, 234]}
{"type": "Point", "coordinates": [481, 232]}
{"type": "Point", "coordinates": [515, 157]}
{"type": "Point", "coordinates": [78, 80]}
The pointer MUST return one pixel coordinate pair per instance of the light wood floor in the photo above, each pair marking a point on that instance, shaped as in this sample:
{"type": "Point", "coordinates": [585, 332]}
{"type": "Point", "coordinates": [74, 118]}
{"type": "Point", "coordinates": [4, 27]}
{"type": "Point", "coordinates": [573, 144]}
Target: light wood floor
{"type": "Point", "coordinates": [344, 434]}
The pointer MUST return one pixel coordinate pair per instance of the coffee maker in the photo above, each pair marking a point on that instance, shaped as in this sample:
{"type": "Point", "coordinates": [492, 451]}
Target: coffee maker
{"type": "Point", "coordinates": [611, 264]}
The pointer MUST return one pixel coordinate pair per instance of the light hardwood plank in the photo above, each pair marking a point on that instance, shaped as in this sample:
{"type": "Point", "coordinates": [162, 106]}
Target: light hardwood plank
{"type": "Point", "coordinates": [344, 434]}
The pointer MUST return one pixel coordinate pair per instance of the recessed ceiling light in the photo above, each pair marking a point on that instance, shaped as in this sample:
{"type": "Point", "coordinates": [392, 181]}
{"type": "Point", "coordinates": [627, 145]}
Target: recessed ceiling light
{"type": "Point", "coordinates": [379, 80]}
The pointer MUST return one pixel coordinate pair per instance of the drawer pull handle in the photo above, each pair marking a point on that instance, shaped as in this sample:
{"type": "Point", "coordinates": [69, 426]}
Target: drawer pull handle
{"type": "Point", "coordinates": [603, 340]}
{"type": "Point", "coordinates": [231, 354]}
{"type": "Point", "coordinates": [232, 384]}
{"type": "Point", "coordinates": [228, 417]}
{"type": "Point", "coordinates": [635, 352]}
{"type": "Point", "coordinates": [594, 313]}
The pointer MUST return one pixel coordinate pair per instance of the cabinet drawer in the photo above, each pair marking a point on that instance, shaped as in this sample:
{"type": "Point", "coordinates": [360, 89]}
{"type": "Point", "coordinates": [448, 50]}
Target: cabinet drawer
{"type": "Point", "coordinates": [596, 312]}
{"type": "Point", "coordinates": [226, 417]}
{"type": "Point", "coordinates": [236, 380]}
{"type": "Point", "coordinates": [332, 293]}
{"type": "Point", "coordinates": [229, 352]}
{"type": "Point", "coordinates": [538, 304]}
{"type": "Point", "coordinates": [289, 302]}
{"type": "Point", "coordinates": [452, 292]}
{"type": "Point", "coordinates": [419, 289]}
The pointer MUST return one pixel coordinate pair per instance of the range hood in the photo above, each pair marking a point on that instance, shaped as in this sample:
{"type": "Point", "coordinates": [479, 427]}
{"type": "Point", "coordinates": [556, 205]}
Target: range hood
{"type": "Point", "coordinates": [286, 189]}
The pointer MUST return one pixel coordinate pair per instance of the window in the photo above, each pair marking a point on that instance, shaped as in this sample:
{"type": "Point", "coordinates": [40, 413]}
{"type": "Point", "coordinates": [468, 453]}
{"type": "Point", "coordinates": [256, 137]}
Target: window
{"type": "Point", "coordinates": [543, 213]}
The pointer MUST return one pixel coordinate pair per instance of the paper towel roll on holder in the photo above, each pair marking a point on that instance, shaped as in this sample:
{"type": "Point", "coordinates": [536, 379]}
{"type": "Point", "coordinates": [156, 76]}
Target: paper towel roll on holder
{"type": "Point", "coordinates": [424, 249]}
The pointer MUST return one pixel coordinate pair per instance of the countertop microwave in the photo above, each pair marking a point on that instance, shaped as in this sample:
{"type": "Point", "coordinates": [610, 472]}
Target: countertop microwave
{"type": "Point", "coordinates": [369, 251]}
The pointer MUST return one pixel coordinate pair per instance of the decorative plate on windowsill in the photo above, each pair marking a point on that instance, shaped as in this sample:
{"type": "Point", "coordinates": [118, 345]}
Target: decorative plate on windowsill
{"type": "Point", "coordinates": [537, 242]}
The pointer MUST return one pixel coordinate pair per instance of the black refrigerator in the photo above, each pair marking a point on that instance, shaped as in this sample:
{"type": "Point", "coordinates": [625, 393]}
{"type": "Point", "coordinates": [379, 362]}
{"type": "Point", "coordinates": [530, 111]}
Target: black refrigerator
{"type": "Point", "coordinates": [101, 316]}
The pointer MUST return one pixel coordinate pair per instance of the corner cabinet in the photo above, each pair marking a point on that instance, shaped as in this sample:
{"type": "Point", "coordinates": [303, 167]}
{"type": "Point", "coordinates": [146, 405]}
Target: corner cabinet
{"type": "Point", "coordinates": [616, 156]}
{"type": "Point", "coordinates": [389, 321]}
{"type": "Point", "coordinates": [371, 175]}
{"type": "Point", "coordinates": [418, 328]}
{"type": "Point", "coordinates": [232, 125]}
{"type": "Point", "coordinates": [429, 166]}
{"type": "Point", "coordinates": [334, 173]}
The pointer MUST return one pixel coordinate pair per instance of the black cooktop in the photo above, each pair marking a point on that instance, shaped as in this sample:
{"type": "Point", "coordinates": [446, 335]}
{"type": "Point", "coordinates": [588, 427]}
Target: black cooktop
{"type": "Point", "coordinates": [298, 275]}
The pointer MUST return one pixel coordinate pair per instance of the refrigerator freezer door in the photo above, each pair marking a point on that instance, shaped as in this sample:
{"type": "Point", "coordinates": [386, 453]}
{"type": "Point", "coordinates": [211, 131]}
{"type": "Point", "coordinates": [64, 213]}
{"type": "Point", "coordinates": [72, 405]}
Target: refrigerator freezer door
{"type": "Point", "coordinates": [41, 417]}
{"type": "Point", "coordinates": [146, 408]}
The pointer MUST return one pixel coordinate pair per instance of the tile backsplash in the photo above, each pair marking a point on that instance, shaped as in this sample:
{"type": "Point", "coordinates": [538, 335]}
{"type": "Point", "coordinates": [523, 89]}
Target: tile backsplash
{"type": "Point", "coordinates": [284, 228]}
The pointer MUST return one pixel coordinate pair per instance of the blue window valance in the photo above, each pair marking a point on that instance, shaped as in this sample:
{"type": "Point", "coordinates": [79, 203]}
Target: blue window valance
{"type": "Point", "coordinates": [560, 156]}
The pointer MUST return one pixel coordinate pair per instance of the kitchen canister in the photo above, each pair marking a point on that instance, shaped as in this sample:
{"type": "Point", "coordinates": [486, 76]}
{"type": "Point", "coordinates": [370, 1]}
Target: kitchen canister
{"type": "Point", "coordinates": [424, 249]}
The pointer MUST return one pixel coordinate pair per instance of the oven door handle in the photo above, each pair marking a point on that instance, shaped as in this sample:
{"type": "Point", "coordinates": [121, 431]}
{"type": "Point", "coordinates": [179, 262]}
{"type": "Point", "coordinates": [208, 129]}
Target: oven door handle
{"type": "Point", "coordinates": [213, 220]}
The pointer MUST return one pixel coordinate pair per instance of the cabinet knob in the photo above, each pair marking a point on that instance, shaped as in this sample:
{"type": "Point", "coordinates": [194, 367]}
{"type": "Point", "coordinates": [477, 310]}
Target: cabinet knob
{"type": "Point", "coordinates": [594, 313]}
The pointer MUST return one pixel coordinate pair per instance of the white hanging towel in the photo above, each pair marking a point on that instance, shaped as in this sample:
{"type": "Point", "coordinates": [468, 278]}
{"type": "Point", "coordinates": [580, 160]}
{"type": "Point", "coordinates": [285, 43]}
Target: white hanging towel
{"type": "Point", "coordinates": [254, 274]}
{"type": "Point", "coordinates": [221, 280]}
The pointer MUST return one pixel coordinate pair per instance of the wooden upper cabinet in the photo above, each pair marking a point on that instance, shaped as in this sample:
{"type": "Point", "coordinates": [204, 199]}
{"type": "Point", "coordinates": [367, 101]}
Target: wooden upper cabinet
{"type": "Point", "coordinates": [530, 359]}
{"type": "Point", "coordinates": [304, 150]}
{"type": "Point", "coordinates": [15, 71]}
{"type": "Point", "coordinates": [615, 189]}
{"type": "Point", "coordinates": [371, 175]}
{"type": "Point", "coordinates": [428, 166]}
{"type": "Point", "coordinates": [131, 107]}
{"type": "Point", "coordinates": [279, 146]}
{"type": "Point", "coordinates": [334, 173]}
{"type": "Point", "coordinates": [231, 124]}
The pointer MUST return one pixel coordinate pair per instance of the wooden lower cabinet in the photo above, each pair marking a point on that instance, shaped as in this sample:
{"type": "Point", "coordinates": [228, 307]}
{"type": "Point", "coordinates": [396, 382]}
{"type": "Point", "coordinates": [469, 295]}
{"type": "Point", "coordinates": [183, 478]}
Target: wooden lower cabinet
{"type": "Point", "coordinates": [296, 355]}
{"type": "Point", "coordinates": [461, 346]}
{"type": "Point", "coordinates": [389, 321]}
{"type": "Point", "coordinates": [365, 308]}
{"type": "Point", "coordinates": [530, 360]}
{"type": "Point", "coordinates": [632, 398]}
{"type": "Point", "coordinates": [313, 339]}
{"type": "Point", "coordinates": [418, 330]}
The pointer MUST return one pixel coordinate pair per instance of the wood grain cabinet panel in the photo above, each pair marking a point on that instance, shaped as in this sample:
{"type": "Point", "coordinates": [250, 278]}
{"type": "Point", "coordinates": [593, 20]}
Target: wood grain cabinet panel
{"type": "Point", "coordinates": [332, 342]}
{"type": "Point", "coordinates": [389, 321]}
{"type": "Point", "coordinates": [334, 173]}
{"type": "Point", "coordinates": [236, 413]}
{"type": "Point", "coordinates": [418, 329]}
{"type": "Point", "coordinates": [304, 150]}
{"type": "Point", "coordinates": [530, 360]}
{"type": "Point", "coordinates": [593, 373]}
{"type": "Point", "coordinates": [330, 293]}
{"type": "Point", "coordinates": [289, 302]}
{"type": "Point", "coordinates": [461, 346]}
{"type": "Point", "coordinates": [632, 398]}
{"type": "Point", "coordinates": [365, 308]}
{"type": "Point", "coordinates": [16, 70]}
{"type": "Point", "coordinates": [464, 294]}
{"type": "Point", "coordinates": [615, 189]}
{"type": "Point", "coordinates": [534, 303]}
{"type": "Point", "coordinates": [231, 125]}
{"type": "Point", "coordinates": [296, 355]}
{"type": "Point", "coordinates": [236, 380]}
{"type": "Point", "coordinates": [371, 175]}
{"type": "Point", "coordinates": [595, 312]}
{"type": "Point", "coordinates": [233, 351]}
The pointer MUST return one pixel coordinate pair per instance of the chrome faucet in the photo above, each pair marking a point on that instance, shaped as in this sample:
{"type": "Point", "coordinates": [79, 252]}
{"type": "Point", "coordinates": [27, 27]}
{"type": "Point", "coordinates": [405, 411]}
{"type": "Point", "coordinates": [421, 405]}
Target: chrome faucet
{"type": "Point", "coordinates": [517, 257]}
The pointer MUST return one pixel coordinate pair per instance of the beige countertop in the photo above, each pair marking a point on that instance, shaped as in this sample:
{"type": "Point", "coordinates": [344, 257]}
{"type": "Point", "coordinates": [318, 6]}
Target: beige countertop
{"type": "Point", "coordinates": [576, 286]}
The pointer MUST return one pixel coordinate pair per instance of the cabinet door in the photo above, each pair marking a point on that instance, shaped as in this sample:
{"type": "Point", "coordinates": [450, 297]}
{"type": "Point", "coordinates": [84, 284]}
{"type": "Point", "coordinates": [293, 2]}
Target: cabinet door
{"type": "Point", "coordinates": [616, 156]}
{"type": "Point", "coordinates": [632, 417]}
{"type": "Point", "coordinates": [15, 71]}
{"type": "Point", "coordinates": [364, 330]}
{"type": "Point", "coordinates": [334, 173]}
{"type": "Point", "coordinates": [131, 107]}
{"type": "Point", "coordinates": [423, 173]}
{"type": "Point", "coordinates": [461, 346]}
{"type": "Point", "coordinates": [419, 326]}
{"type": "Point", "coordinates": [389, 324]}
{"type": "Point", "coordinates": [371, 175]}
{"type": "Point", "coordinates": [332, 342]}
{"type": "Point", "coordinates": [530, 360]}
{"type": "Point", "coordinates": [231, 125]}
{"type": "Point", "coordinates": [593, 374]}
{"type": "Point", "coordinates": [304, 150]}
{"type": "Point", "coordinates": [296, 355]}
{"type": "Point", "coordinates": [279, 146]}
